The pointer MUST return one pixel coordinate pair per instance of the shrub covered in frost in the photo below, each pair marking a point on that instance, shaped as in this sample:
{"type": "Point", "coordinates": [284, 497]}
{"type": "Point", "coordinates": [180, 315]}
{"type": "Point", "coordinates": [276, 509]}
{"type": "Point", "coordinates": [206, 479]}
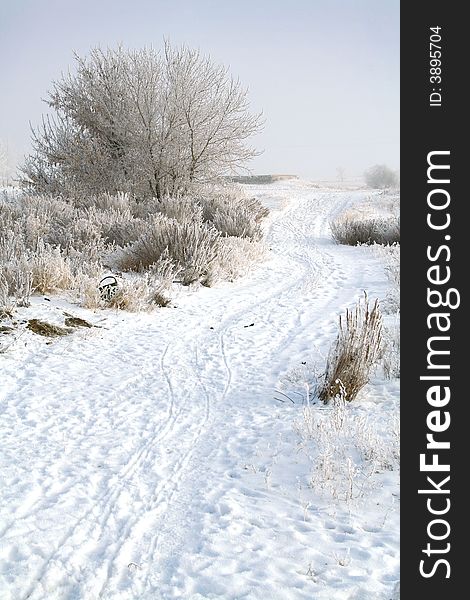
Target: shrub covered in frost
{"type": "Point", "coordinates": [49, 243]}
{"type": "Point", "coordinates": [192, 246]}
{"type": "Point", "coordinates": [366, 231]}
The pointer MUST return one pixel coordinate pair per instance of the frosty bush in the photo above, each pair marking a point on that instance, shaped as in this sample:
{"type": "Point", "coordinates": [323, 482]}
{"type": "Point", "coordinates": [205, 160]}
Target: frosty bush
{"type": "Point", "coordinates": [119, 226]}
{"type": "Point", "coordinates": [182, 210]}
{"type": "Point", "coordinates": [160, 280]}
{"type": "Point", "coordinates": [354, 352]}
{"type": "Point", "coordinates": [236, 256]}
{"type": "Point", "coordinates": [50, 270]}
{"type": "Point", "coordinates": [89, 228]}
{"type": "Point", "coordinates": [381, 176]}
{"type": "Point", "coordinates": [366, 231]}
{"type": "Point", "coordinates": [226, 208]}
{"type": "Point", "coordinates": [232, 213]}
{"type": "Point", "coordinates": [49, 244]}
{"type": "Point", "coordinates": [106, 201]}
{"type": "Point", "coordinates": [145, 122]}
{"type": "Point", "coordinates": [191, 245]}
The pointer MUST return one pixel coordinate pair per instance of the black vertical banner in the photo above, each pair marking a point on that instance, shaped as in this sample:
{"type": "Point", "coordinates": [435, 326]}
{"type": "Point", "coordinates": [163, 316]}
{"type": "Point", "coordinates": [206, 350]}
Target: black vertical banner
{"type": "Point", "coordinates": [435, 236]}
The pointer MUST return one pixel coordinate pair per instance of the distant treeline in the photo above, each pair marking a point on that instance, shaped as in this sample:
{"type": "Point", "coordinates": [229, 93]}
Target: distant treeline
{"type": "Point", "coordinates": [259, 179]}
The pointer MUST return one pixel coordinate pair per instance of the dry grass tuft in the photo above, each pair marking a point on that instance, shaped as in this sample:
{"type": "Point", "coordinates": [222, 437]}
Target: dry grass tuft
{"type": "Point", "coordinates": [356, 349]}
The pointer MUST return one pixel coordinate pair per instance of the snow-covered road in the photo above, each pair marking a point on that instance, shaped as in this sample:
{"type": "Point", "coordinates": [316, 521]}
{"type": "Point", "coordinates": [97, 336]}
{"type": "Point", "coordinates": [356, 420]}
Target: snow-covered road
{"type": "Point", "coordinates": [148, 459]}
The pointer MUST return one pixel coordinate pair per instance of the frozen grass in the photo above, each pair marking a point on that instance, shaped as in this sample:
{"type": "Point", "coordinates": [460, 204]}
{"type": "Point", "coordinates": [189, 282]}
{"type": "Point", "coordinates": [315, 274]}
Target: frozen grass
{"type": "Point", "coordinates": [390, 305]}
{"type": "Point", "coordinates": [390, 256]}
{"type": "Point", "coordinates": [370, 231]}
{"type": "Point", "coordinates": [375, 220]}
{"type": "Point", "coordinates": [236, 255]}
{"type": "Point", "coordinates": [49, 244]}
{"type": "Point", "coordinates": [346, 448]}
{"type": "Point", "coordinates": [390, 355]}
{"type": "Point", "coordinates": [231, 214]}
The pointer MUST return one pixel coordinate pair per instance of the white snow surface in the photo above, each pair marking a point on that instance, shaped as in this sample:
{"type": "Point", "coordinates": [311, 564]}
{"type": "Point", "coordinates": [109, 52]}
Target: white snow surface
{"type": "Point", "coordinates": [148, 458]}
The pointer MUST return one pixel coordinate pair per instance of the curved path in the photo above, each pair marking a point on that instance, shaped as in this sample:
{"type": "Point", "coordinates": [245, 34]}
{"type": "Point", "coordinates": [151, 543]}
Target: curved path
{"type": "Point", "coordinates": [137, 460]}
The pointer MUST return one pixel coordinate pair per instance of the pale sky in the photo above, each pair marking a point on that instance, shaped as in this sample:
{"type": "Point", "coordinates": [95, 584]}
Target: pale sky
{"type": "Point", "coordinates": [325, 73]}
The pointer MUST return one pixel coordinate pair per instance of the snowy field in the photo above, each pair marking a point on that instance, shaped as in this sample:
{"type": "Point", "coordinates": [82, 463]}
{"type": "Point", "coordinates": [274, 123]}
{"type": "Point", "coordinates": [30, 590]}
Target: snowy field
{"type": "Point", "coordinates": [152, 458]}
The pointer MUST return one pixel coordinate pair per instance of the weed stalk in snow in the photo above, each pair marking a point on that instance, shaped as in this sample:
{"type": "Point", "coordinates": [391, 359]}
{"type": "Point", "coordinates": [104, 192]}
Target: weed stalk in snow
{"type": "Point", "coordinates": [356, 349]}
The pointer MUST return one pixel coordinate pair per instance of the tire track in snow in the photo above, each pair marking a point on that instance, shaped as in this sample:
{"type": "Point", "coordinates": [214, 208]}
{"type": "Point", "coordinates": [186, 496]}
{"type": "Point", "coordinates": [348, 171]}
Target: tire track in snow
{"type": "Point", "coordinates": [107, 501]}
{"type": "Point", "coordinates": [164, 494]}
{"type": "Point", "coordinates": [152, 548]}
{"type": "Point", "coordinates": [191, 474]}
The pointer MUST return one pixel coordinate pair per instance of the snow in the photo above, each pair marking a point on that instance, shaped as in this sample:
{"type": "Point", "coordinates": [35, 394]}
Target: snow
{"type": "Point", "coordinates": [147, 458]}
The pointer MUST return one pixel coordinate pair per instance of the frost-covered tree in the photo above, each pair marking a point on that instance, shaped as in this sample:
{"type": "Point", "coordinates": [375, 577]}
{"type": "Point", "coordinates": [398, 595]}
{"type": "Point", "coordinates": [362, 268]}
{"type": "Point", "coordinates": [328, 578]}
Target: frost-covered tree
{"type": "Point", "coordinates": [381, 176]}
{"type": "Point", "coordinates": [146, 122]}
